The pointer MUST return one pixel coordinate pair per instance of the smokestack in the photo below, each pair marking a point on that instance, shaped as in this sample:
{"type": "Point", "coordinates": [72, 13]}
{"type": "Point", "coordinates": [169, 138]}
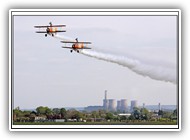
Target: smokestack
{"type": "Point", "coordinates": [105, 94]}
{"type": "Point", "coordinates": [143, 105]}
{"type": "Point", "coordinates": [159, 106]}
{"type": "Point", "coordinates": [105, 102]}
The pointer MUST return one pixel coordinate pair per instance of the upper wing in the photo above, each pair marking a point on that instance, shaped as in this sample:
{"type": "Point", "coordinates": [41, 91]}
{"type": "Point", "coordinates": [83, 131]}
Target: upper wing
{"type": "Point", "coordinates": [85, 42]}
{"type": "Point", "coordinates": [57, 26]}
{"type": "Point", "coordinates": [49, 26]}
{"type": "Point", "coordinates": [41, 26]}
{"type": "Point", "coordinates": [68, 41]}
{"type": "Point", "coordinates": [75, 42]}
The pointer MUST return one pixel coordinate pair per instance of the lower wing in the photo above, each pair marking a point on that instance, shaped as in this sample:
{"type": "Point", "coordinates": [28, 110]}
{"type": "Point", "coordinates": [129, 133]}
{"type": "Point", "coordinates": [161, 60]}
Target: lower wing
{"type": "Point", "coordinates": [86, 48]}
{"type": "Point", "coordinates": [60, 31]}
{"type": "Point", "coordinates": [67, 47]}
{"type": "Point", "coordinates": [50, 31]}
{"type": "Point", "coordinates": [41, 32]}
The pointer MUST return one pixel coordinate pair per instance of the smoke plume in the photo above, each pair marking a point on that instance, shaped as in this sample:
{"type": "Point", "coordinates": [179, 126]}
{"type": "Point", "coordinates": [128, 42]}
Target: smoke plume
{"type": "Point", "coordinates": [156, 72]}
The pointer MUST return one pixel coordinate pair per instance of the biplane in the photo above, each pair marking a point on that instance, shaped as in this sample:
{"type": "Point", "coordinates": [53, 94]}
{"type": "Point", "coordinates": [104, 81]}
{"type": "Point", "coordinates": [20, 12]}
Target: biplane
{"type": "Point", "coordinates": [50, 29]}
{"type": "Point", "coordinates": [76, 45]}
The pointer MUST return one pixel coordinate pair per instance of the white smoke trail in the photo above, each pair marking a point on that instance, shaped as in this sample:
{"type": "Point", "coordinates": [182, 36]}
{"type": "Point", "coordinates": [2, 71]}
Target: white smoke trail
{"type": "Point", "coordinates": [156, 72]}
{"type": "Point", "coordinates": [63, 38]}
{"type": "Point", "coordinates": [153, 71]}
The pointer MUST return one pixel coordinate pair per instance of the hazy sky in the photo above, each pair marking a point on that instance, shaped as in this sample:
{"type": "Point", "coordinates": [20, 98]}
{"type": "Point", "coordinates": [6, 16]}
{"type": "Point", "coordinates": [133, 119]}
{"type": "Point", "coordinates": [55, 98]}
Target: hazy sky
{"type": "Point", "coordinates": [48, 75]}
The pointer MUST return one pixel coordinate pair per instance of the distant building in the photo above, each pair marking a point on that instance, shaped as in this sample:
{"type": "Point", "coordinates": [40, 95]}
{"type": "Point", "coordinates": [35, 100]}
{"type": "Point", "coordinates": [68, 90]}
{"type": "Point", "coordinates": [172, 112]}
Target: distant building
{"type": "Point", "coordinates": [159, 106]}
{"type": "Point", "coordinates": [119, 106]}
{"type": "Point", "coordinates": [112, 105]}
{"type": "Point", "coordinates": [143, 105]}
{"type": "Point", "coordinates": [40, 118]}
{"type": "Point", "coordinates": [59, 120]}
{"type": "Point", "coordinates": [124, 114]}
{"type": "Point", "coordinates": [105, 102]}
{"type": "Point", "coordinates": [133, 104]}
{"type": "Point", "coordinates": [124, 105]}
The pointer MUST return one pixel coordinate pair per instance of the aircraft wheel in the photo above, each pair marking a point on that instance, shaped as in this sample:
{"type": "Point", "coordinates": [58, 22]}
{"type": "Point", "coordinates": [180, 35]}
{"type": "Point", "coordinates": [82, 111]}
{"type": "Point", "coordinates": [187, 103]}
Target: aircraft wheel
{"type": "Point", "coordinates": [71, 51]}
{"type": "Point", "coordinates": [52, 34]}
{"type": "Point", "coordinates": [45, 35]}
{"type": "Point", "coordinates": [78, 51]}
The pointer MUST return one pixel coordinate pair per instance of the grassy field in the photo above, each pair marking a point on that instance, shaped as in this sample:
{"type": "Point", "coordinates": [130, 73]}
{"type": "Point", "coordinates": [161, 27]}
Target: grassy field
{"type": "Point", "coordinates": [96, 123]}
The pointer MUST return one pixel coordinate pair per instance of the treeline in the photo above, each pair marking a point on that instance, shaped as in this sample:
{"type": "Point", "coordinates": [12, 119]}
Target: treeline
{"type": "Point", "coordinates": [41, 114]}
{"type": "Point", "coordinates": [44, 113]}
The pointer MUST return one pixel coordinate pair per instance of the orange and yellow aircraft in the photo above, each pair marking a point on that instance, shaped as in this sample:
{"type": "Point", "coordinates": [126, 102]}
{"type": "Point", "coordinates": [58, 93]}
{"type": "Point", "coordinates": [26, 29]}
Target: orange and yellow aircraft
{"type": "Point", "coordinates": [50, 29]}
{"type": "Point", "coordinates": [76, 45]}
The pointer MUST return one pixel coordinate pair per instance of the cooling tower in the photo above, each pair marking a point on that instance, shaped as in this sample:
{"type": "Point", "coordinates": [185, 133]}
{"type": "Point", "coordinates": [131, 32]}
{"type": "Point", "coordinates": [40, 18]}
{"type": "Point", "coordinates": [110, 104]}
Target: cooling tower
{"type": "Point", "coordinates": [124, 106]}
{"type": "Point", "coordinates": [133, 104]}
{"type": "Point", "coordinates": [112, 105]}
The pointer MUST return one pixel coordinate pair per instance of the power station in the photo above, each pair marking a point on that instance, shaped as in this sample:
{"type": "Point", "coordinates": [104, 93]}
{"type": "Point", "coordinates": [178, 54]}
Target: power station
{"type": "Point", "coordinates": [110, 104]}
{"type": "Point", "coordinates": [113, 105]}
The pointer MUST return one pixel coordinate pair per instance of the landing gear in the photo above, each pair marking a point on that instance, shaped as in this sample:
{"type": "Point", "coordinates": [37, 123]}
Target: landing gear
{"type": "Point", "coordinates": [45, 35]}
{"type": "Point", "coordinates": [78, 51]}
{"type": "Point", "coordinates": [52, 34]}
{"type": "Point", "coordinates": [71, 51]}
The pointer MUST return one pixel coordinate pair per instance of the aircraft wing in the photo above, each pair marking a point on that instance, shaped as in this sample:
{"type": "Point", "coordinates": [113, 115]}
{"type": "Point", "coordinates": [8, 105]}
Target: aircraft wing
{"type": "Point", "coordinates": [41, 32]}
{"type": "Point", "coordinates": [83, 48]}
{"type": "Point", "coordinates": [49, 26]}
{"type": "Point", "coordinates": [51, 31]}
{"type": "Point", "coordinates": [75, 42]}
{"type": "Point", "coordinates": [60, 31]}
{"type": "Point", "coordinates": [67, 47]}
{"type": "Point", "coordinates": [68, 41]}
{"type": "Point", "coordinates": [41, 26]}
{"type": "Point", "coordinates": [85, 42]}
{"type": "Point", "coordinates": [86, 48]}
{"type": "Point", "coordinates": [58, 26]}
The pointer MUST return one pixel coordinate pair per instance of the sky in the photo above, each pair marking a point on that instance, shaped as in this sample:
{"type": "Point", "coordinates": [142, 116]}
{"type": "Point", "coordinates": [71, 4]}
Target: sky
{"type": "Point", "coordinates": [47, 75]}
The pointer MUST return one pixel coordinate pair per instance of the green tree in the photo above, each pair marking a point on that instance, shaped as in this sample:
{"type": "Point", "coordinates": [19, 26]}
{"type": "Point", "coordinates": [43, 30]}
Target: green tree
{"type": "Point", "coordinates": [73, 114]}
{"type": "Point", "coordinates": [26, 113]}
{"type": "Point", "coordinates": [136, 113]}
{"type": "Point", "coordinates": [160, 112]}
{"type": "Point", "coordinates": [63, 112]}
{"type": "Point", "coordinates": [145, 114]}
{"type": "Point", "coordinates": [48, 111]}
{"type": "Point", "coordinates": [43, 110]}
{"type": "Point", "coordinates": [18, 113]}
{"type": "Point", "coordinates": [131, 117]}
{"type": "Point", "coordinates": [78, 115]}
{"type": "Point", "coordinates": [167, 115]}
{"type": "Point", "coordinates": [102, 113]}
{"type": "Point", "coordinates": [175, 112]}
{"type": "Point", "coordinates": [56, 111]}
{"type": "Point", "coordinates": [109, 116]}
{"type": "Point", "coordinates": [123, 118]}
